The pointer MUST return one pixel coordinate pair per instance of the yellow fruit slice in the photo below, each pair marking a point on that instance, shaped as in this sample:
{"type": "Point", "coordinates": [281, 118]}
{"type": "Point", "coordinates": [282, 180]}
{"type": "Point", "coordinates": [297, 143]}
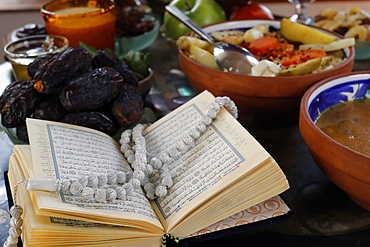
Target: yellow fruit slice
{"type": "Point", "coordinates": [298, 32]}
{"type": "Point", "coordinates": [184, 43]}
{"type": "Point", "coordinates": [232, 36]}
{"type": "Point", "coordinates": [303, 68]}
{"type": "Point", "coordinates": [202, 56]}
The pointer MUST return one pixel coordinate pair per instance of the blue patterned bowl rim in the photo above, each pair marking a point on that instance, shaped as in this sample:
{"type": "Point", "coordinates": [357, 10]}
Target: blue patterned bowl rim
{"type": "Point", "coordinates": [342, 89]}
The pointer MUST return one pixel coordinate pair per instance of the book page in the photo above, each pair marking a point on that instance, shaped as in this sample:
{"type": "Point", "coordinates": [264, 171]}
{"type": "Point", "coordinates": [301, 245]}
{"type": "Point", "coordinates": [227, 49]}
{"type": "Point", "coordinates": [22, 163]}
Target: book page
{"type": "Point", "coordinates": [199, 168]}
{"type": "Point", "coordinates": [67, 151]}
{"type": "Point", "coordinates": [222, 156]}
{"type": "Point", "coordinates": [54, 231]}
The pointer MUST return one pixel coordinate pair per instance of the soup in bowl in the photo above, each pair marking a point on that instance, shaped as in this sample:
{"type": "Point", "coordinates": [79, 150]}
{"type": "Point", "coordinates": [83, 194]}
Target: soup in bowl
{"type": "Point", "coordinates": [346, 165]}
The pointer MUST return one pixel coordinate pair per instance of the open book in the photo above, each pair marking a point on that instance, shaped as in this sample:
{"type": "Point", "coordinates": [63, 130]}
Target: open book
{"type": "Point", "coordinates": [226, 172]}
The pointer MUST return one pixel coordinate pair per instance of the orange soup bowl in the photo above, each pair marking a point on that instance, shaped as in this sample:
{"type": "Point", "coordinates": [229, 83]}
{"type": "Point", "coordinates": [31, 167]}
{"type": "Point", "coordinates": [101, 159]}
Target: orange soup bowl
{"type": "Point", "coordinates": [348, 169]}
{"type": "Point", "coordinates": [89, 22]}
{"type": "Point", "coordinates": [262, 101]}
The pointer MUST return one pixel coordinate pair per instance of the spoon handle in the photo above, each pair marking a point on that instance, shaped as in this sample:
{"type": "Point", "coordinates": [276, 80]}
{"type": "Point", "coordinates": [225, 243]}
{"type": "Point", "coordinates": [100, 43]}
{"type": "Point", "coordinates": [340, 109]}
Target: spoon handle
{"type": "Point", "coordinates": [188, 22]}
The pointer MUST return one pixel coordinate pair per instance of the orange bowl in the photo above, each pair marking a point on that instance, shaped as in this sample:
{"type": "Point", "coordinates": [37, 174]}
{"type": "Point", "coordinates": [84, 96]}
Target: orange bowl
{"type": "Point", "coordinates": [266, 101]}
{"type": "Point", "coordinates": [348, 169]}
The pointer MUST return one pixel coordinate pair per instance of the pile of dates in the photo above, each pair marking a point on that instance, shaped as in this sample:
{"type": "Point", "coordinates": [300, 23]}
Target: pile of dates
{"type": "Point", "coordinates": [130, 19]}
{"type": "Point", "coordinates": [99, 92]}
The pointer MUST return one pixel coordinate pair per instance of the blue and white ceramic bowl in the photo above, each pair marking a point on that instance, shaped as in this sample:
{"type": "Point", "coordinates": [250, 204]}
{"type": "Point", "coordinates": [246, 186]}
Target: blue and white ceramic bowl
{"type": "Point", "coordinates": [348, 169]}
{"type": "Point", "coordinates": [333, 91]}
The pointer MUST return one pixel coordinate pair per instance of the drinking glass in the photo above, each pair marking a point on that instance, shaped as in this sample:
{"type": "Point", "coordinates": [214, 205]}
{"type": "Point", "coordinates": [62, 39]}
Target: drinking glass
{"type": "Point", "coordinates": [301, 11]}
{"type": "Point", "coordinates": [20, 53]}
{"type": "Point", "coordinates": [86, 21]}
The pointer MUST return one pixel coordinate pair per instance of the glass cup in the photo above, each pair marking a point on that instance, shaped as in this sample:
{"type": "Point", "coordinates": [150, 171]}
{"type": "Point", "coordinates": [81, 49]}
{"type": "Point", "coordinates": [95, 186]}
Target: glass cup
{"type": "Point", "coordinates": [301, 11]}
{"type": "Point", "coordinates": [88, 21]}
{"type": "Point", "coordinates": [20, 53]}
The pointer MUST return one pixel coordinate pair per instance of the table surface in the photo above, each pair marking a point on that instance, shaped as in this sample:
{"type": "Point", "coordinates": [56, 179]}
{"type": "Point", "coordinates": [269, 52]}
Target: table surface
{"type": "Point", "coordinates": [323, 214]}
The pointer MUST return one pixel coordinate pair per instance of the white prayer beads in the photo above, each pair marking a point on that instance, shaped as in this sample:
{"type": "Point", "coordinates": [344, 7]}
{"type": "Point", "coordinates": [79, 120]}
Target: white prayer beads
{"type": "Point", "coordinates": [133, 146]}
{"type": "Point", "coordinates": [16, 223]}
{"type": "Point", "coordinates": [100, 188]}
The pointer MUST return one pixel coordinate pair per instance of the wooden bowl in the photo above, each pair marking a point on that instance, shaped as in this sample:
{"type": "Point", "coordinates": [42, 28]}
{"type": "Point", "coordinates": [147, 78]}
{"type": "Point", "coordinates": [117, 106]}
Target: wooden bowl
{"type": "Point", "coordinates": [267, 101]}
{"type": "Point", "coordinates": [145, 84]}
{"type": "Point", "coordinates": [348, 169]}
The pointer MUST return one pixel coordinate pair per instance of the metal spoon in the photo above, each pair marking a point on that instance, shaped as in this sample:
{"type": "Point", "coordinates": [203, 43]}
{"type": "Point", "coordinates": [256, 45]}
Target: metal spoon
{"type": "Point", "coordinates": [229, 57]}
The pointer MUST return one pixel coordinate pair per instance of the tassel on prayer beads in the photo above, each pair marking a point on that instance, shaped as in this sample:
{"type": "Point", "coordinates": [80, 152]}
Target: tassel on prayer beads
{"type": "Point", "coordinates": [169, 240]}
{"type": "Point", "coordinates": [16, 223]}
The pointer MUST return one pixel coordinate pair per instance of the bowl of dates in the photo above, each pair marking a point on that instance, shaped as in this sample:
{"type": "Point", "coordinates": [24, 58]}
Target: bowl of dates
{"type": "Point", "coordinates": [98, 91]}
{"type": "Point", "coordinates": [135, 28]}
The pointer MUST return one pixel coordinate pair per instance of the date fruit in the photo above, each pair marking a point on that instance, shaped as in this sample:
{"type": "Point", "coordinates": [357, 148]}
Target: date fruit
{"type": "Point", "coordinates": [93, 120]}
{"type": "Point", "coordinates": [18, 102]}
{"type": "Point", "coordinates": [56, 72]}
{"type": "Point", "coordinates": [50, 109]}
{"type": "Point", "coordinates": [104, 59]}
{"type": "Point", "coordinates": [21, 132]}
{"type": "Point", "coordinates": [92, 90]}
{"type": "Point", "coordinates": [33, 67]}
{"type": "Point", "coordinates": [128, 107]}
